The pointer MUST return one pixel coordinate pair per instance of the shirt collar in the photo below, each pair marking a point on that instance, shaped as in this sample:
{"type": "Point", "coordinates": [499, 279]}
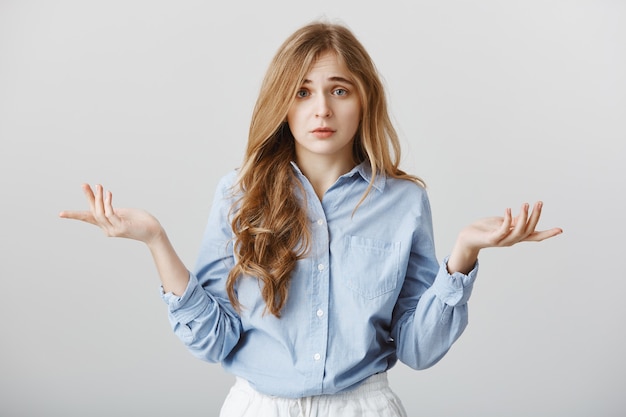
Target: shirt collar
{"type": "Point", "coordinates": [364, 169]}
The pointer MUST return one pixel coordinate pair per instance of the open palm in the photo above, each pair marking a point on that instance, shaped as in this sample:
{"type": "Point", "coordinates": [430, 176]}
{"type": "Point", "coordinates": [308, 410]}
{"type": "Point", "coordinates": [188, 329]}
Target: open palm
{"type": "Point", "coordinates": [129, 223]}
{"type": "Point", "coordinates": [507, 230]}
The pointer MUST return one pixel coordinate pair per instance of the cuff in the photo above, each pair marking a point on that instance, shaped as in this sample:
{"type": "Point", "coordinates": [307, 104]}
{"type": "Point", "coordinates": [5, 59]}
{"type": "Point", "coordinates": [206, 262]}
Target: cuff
{"type": "Point", "coordinates": [454, 289]}
{"type": "Point", "coordinates": [188, 306]}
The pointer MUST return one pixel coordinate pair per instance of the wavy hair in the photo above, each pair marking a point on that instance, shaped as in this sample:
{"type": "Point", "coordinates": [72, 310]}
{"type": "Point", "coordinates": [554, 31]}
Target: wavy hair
{"type": "Point", "coordinates": [269, 220]}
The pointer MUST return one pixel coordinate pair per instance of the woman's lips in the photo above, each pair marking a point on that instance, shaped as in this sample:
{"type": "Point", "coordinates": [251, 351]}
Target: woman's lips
{"type": "Point", "coordinates": [323, 132]}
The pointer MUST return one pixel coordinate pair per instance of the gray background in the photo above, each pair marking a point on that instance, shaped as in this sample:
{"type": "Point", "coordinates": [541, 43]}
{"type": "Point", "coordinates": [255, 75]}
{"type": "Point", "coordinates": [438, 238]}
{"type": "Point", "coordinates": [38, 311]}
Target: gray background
{"type": "Point", "coordinates": [497, 103]}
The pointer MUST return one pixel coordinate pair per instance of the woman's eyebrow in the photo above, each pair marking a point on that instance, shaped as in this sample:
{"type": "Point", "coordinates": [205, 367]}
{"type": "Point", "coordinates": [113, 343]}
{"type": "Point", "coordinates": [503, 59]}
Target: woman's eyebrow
{"type": "Point", "coordinates": [334, 79]}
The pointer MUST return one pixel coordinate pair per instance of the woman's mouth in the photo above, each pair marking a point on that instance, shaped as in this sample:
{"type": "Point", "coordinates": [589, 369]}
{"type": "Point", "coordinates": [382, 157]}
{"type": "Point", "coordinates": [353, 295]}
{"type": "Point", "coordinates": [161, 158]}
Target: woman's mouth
{"type": "Point", "coordinates": [323, 132]}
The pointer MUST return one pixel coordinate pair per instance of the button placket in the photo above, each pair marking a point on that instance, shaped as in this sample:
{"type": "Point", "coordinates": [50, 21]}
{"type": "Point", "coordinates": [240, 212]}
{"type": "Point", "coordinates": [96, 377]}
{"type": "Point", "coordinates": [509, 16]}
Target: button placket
{"type": "Point", "coordinates": [319, 301]}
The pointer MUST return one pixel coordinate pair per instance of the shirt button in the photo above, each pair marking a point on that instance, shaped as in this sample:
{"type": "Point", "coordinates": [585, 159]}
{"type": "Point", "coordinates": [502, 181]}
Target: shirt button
{"type": "Point", "coordinates": [317, 356]}
{"type": "Point", "coordinates": [320, 267]}
{"type": "Point", "coordinates": [320, 222]}
{"type": "Point", "coordinates": [320, 313]}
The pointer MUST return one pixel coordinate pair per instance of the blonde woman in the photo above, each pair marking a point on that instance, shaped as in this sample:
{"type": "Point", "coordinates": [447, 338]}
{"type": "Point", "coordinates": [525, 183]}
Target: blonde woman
{"type": "Point", "coordinates": [317, 270]}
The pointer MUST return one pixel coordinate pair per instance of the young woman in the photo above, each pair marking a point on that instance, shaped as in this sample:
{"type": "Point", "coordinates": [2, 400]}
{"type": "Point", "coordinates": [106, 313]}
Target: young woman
{"type": "Point", "coordinates": [317, 270]}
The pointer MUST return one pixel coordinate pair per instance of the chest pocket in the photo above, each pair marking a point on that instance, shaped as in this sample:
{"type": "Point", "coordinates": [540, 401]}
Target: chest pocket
{"type": "Point", "coordinates": [370, 266]}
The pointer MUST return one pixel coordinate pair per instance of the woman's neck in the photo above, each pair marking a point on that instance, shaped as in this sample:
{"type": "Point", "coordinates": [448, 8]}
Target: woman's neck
{"type": "Point", "coordinates": [322, 171]}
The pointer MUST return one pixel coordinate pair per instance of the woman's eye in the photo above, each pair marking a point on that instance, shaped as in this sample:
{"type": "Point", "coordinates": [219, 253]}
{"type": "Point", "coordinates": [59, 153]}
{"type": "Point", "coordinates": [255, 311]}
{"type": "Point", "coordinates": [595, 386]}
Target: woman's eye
{"type": "Point", "coordinates": [302, 93]}
{"type": "Point", "coordinates": [340, 92]}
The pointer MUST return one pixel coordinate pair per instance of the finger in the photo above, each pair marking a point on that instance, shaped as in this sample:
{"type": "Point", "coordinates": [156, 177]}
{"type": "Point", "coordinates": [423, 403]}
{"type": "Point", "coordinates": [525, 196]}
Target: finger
{"type": "Point", "coordinates": [534, 218]}
{"type": "Point", "coordinates": [99, 206]}
{"type": "Point", "coordinates": [85, 216]}
{"type": "Point", "coordinates": [505, 228]}
{"type": "Point", "coordinates": [108, 208]}
{"type": "Point", "coordinates": [522, 219]}
{"type": "Point", "coordinates": [519, 227]}
{"type": "Point", "coordinates": [544, 234]}
{"type": "Point", "coordinates": [90, 196]}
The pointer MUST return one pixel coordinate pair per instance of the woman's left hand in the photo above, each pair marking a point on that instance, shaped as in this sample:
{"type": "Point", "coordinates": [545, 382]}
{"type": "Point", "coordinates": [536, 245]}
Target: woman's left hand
{"type": "Point", "coordinates": [507, 230]}
{"type": "Point", "coordinates": [497, 232]}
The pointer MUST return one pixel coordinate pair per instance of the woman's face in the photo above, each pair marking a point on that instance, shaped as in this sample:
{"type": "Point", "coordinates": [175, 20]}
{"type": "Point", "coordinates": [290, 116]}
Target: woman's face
{"type": "Point", "coordinates": [325, 115]}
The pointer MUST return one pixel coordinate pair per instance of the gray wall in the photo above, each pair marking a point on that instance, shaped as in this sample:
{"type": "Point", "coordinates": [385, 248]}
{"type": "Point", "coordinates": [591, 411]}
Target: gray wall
{"type": "Point", "coordinates": [497, 103]}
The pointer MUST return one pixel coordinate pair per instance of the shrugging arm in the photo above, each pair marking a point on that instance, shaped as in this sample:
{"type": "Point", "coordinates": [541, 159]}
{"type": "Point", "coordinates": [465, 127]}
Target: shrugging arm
{"type": "Point", "coordinates": [203, 318]}
{"type": "Point", "coordinates": [431, 311]}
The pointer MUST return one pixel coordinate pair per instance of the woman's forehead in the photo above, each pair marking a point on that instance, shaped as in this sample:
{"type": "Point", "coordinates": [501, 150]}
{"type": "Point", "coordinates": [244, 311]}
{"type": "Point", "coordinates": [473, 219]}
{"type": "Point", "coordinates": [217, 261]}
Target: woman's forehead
{"type": "Point", "coordinates": [331, 65]}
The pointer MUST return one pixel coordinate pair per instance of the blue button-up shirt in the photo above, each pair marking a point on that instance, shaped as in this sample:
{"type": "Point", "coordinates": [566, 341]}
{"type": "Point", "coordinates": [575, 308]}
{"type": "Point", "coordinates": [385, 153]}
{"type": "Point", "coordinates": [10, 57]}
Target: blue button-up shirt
{"type": "Point", "coordinates": [370, 292]}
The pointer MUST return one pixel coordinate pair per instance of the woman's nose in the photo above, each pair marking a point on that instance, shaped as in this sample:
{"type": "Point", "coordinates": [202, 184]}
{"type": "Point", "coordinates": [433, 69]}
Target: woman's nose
{"type": "Point", "coordinates": [322, 109]}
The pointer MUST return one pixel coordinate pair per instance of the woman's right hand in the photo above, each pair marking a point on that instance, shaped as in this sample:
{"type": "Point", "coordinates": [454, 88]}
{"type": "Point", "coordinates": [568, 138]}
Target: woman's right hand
{"type": "Point", "coordinates": [120, 222]}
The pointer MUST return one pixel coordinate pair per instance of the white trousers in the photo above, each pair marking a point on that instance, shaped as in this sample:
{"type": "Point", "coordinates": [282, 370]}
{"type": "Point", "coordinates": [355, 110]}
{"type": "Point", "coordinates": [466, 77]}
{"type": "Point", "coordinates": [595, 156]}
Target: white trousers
{"type": "Point", "coordinates": [372, 398]}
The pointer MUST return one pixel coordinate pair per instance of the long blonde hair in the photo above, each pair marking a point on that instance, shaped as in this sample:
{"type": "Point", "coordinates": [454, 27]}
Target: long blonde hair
{"type": "Point", "coordinates": [269, 220]}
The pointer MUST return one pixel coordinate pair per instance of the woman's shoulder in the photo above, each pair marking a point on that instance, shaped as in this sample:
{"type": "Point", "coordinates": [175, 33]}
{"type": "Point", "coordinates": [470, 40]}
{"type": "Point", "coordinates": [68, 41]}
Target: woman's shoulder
{"type": "Point", "coordinates": [410, 186]}
{"type": "Point", "coordinates": [398, 181]}
{"type": "Point", "coordinates": [230, 178]}
{"type": "Point", "coordinates": [406, 196]}
{"type": "Point", "coordinates": [226, 185]}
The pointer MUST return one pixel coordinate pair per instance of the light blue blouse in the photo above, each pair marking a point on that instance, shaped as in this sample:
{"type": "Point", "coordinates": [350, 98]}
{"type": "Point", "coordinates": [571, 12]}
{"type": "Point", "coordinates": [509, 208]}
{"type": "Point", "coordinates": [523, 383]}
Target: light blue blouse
{"type": "Point", "coordinates": [370, 292]}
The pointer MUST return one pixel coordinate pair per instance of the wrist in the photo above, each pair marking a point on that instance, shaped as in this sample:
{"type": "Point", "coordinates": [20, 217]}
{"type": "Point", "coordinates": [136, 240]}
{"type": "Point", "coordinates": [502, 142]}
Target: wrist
{"type": "Point", "coordinates": [462, 258]}
{"type": "Point", "coordinates": [158, 239]}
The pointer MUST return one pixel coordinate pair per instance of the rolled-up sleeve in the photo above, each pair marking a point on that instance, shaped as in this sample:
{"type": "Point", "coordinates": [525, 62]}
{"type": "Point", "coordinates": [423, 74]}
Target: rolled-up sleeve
{"type": "Point", "coordinates": [424, 335]}
{"type": "Point", "coordinates": [202, 317]}
{"type": "Point", "coordinates": [208, 330]}
{"type": "Point", "coordinates": [454, 289]}
{"type": "Point", "coordinates": [431, 312]}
